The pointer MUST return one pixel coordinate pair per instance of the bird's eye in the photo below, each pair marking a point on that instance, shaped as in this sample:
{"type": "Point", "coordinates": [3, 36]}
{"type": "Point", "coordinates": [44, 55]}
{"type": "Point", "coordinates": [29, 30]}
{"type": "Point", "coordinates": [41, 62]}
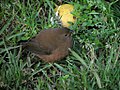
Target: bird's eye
{"type": "Point", "coordinates": [66, 34]}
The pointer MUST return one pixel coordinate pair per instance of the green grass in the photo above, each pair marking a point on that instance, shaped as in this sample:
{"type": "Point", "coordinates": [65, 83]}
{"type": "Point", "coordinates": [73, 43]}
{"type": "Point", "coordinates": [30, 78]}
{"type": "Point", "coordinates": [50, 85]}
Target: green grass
{"type": "Point", "coordinates": [94, 61]}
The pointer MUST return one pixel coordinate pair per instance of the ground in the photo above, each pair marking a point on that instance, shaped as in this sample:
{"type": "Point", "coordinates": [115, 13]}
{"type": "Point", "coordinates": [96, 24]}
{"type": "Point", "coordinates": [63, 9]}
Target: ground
{"type": "Point", "coordinates": [94, 59]}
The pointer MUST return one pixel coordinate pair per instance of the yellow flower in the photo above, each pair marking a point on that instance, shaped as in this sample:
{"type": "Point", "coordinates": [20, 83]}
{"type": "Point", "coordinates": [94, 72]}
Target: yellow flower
{"type": "Point", "coordinates": [64, 12]}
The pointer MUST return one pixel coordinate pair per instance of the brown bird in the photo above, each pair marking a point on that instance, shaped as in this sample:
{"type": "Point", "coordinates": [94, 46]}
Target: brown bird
{"type": "Point", "coordinates": [51, 44]}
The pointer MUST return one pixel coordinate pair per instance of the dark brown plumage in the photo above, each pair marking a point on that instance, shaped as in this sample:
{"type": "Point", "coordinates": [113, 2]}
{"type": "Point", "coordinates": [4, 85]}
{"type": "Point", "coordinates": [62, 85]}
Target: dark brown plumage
{"type": "Point", "coordinates": [50, 45]}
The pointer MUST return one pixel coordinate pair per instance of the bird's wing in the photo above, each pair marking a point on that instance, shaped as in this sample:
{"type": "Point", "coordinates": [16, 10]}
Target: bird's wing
{"type": "Point", "coordinates": [35, 48]}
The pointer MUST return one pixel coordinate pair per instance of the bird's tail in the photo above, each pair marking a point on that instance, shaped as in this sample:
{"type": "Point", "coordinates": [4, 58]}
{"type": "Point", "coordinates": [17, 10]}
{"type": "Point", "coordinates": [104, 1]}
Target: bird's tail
{"type": "Point", "coordinates": [22, 42]}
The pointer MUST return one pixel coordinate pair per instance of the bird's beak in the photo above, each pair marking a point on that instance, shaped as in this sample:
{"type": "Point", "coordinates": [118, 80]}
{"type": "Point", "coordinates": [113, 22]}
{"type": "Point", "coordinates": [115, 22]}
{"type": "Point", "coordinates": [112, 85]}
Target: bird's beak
{"type": "Point", "coordinates": [70, 33]}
